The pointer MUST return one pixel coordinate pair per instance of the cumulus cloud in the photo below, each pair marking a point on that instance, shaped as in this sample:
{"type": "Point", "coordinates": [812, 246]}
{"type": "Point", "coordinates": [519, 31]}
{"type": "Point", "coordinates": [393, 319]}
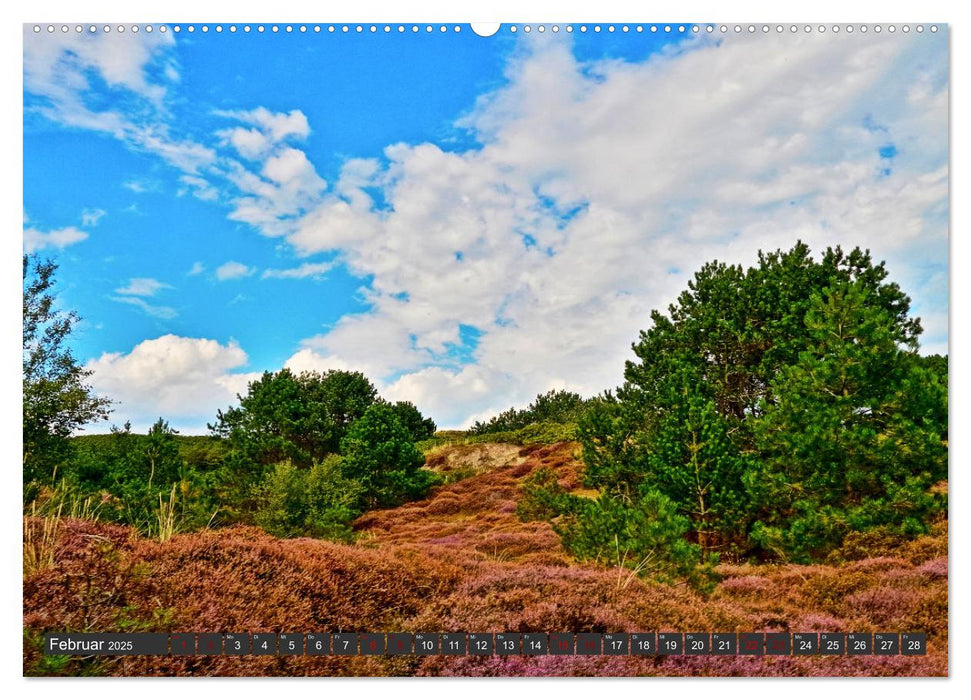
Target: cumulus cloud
{"type": "Point", "coordinates": [274, 183]}
{"type": "Point", "coordinates": [601, 186]}
{"type": "Point", "coordinates": [595, 191]}
{"type": "Point", "coordinates": [36, 240]}
{"type": "Point", "coordinates": [264, 130]}
{"type": "Point", "coordinates": [286, 186]}
{"type": "Point", "coordinates": [171, 376]}
{"type": "Point", "coordinates": [233, 270]}
{"type": "Point", "coordinates": [458, 397]}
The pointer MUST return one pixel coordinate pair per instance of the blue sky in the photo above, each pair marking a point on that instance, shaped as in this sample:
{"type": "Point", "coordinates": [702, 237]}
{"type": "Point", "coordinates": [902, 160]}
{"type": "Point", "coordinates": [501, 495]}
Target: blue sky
{"type": "Point", "coordinates": [467, 220]}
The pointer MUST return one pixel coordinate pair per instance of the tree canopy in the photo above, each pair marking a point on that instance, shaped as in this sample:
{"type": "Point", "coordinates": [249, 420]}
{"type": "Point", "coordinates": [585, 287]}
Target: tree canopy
{"type": "Point", "coordinates": [778, 407]}
{"type": "Point", "coordinates": [380, 453]}
{"type": "Point", "coordinates": [555, 406]}
{"type": "Point", "coordinates": [57, 400]}
{"type": "Point", "coordinates": [297, 417]}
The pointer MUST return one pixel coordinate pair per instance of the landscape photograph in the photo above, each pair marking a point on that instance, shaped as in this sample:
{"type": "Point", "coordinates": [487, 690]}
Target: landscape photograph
{"type": "Point", "coordinates": [409, 331]}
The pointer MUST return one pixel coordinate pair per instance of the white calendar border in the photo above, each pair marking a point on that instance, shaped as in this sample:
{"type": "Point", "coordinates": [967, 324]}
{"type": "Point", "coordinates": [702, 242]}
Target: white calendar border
{"type": "Point", "coordinates": [926, 11]}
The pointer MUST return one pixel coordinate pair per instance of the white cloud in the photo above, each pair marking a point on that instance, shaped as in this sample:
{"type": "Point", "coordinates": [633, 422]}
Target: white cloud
{"type": "Point", "coordinates": [198, 187]}
{"type": "Point", "coordinates": [286, 186]}
{"type": "Point", "coordinates": [143, 287]}
{"type": "Point", "coordinates": [171, 376]}
{"type": "Point", "coordinates": [309, 360]}
{"type": "Point", "coordinates": [277, 183]}
{"type": "Point", "coordinates": [36, 240]}
{"type": "Point", "coordinates": [601, 187]}
{"type": "Point", "coordinates": [269, 129]}
{"type": "Point", "coordinates": [457, 398]}
{"type": "Point", "coordinates": [163, 312]}
{"type": "Point", "coordinates": [233, 270]}
{"type": "Point", "coordinates": [60, 68]}
{"type": "Point", "coordinates": [139, 287]}
{"type": "Point", "coordinates": [197, 269]}
{"type": "Point", "coordinates": [315, 270]}
{"type": "Point", "coordinates": [139, 186]}
{"type": "Point", "coordinates": [91, 217]}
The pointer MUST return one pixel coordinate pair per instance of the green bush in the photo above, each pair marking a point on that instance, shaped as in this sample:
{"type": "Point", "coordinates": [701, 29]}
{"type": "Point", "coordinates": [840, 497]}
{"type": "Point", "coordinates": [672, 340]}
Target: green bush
{"type": "Point", "coordinates": [316, 502]}
{"type": "Point", "coordinates": [379, 453]}
{"type": "Point", "coordinates": [856, 435]}
{"type": "Point", "coordinates": [126, 474]}
{"type": "Point", "coordinates": [646, 535]}
{"type": "Point", "coordinates": [543, 498]}
{"type": "Point", "coordinates": [544, 433]}
{"type": "Point", "coordinates": [553, 407]}
{"type": "Point", "coordinates": [297, 417]}
{"type": "Point", "coordinates": [419, 427]}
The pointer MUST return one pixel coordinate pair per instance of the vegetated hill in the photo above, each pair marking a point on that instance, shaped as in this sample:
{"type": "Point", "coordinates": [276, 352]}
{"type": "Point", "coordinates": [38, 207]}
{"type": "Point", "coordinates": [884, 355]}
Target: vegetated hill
{"type": "Point", "coordinates": [197, 450]}
{"type": "Point", "coordinates": [461, 560]}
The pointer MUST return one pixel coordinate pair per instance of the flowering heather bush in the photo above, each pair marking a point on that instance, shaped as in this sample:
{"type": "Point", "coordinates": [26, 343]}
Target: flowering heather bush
{"type": "Point", "coordinates": [883, 606]}
{"type": "Point", "coordinates": [934, 568]}
{"type": "Point", "coordinates": [818, 622]}
{"type": "Point", "coordinates": [745, 585]}
{"type": "Point", "coordinates": [903, 578]}
{"type": "Point", "coordinates": [447, 540]}
{"type": "Point", "coordinates": [878, 564]}
{"type": "Point", "coordinates": [459, 561]}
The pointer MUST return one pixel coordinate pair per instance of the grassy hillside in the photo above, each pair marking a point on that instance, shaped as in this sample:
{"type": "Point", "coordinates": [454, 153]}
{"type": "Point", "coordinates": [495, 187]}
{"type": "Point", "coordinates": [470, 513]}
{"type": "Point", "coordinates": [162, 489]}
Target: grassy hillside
{"type": "Point", "coordinates": [461, 560]}
{"type": "Point", "coordinates": [197, 450]}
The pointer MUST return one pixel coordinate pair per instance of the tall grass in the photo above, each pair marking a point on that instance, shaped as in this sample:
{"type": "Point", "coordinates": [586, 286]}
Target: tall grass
{"type": "Point", "coordinates": [42, 521]}
{"type": "Point", "coordinates": [166, 516]}
{"type": "Point", "coordinates": [40, 539]}
{"type": "Point", "coordinates": [65, 500]}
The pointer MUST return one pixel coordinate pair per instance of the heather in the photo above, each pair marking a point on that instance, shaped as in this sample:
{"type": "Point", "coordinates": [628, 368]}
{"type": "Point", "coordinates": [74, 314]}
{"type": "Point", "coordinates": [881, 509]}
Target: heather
{"type": "Point", "coordinates": [462, 560]}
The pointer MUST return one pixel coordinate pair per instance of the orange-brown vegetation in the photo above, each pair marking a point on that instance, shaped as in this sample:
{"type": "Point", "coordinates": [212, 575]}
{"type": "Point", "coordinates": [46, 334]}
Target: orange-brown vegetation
{"type": "Point", "coordinates": [461, 560]}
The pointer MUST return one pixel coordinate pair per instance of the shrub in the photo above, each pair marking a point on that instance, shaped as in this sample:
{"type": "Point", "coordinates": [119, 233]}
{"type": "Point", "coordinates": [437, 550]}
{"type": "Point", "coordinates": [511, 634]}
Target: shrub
{"type": "Point", "coordinates": [878, 542]}
{"type": "Point", "coordinates": [882, 606]}
{"type": "Point", "coordinates": [780, 408]}
{"type": "Point", "coordinates": [553, 407]}
{"type": "Point", "coordinates": [380, 454]}
{"type": "Point", "coordinates": [934, 568]}
{"type": "Point", "coordinates": [317, 502]}
{"type": "Point", "coordinates": [647, 536]}
{"type": "Point", "coordinates": [543, 498]}
{"type": "Point", "coordinates": [541, 433]}
{"type": "Point", "coordinates": [746, 585]}
{"type": "Point", "coordinates": [829, 590]}
{"type": "Point", "coordinates": [297, 417]}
